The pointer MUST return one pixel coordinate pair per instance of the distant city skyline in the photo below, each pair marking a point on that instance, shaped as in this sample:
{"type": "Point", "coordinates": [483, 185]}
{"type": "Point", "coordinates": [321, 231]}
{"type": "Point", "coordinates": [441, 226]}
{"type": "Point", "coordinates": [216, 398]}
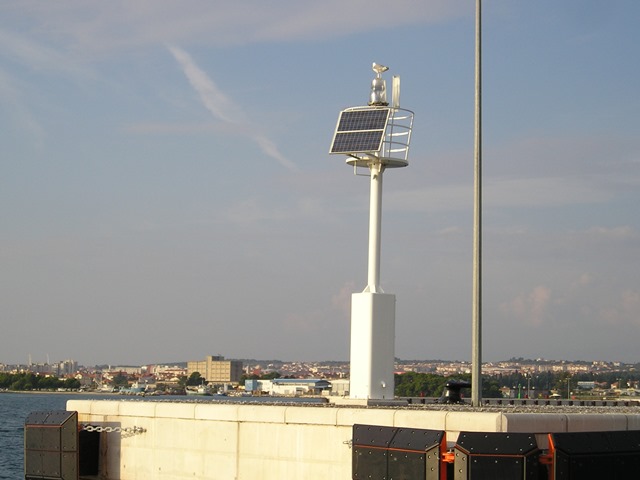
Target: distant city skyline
{"type": "Point", "coordinates": [267, 361]}
{"type": "Point", "coordinates": [167, 189]}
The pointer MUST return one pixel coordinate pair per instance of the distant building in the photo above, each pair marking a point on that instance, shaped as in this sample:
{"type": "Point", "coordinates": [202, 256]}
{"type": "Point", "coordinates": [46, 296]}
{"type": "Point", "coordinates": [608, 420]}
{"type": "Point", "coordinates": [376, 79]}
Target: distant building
{"type": "Point", "coordinates": [340, 387]}
{"type": "Point", "coordinates": [67, 367]}
{"type": "Point", "coordinates": [128, 369]}
{"type": "Point", "coordinates": [586, 385]}
{"type": "Point", "coordinates": [289, 386]}
{"type": "Point", "coordinates": [43, 368]}
{"type": "Point", "coordinates": [85, 379]}
{"type": "Point", "coordinates": [169, 374]}
{"type": "Point", "coordinates": [215, 369]}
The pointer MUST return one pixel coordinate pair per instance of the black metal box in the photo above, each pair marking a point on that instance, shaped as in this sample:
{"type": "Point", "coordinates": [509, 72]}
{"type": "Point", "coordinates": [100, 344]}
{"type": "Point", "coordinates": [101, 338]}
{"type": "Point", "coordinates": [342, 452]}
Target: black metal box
{"type": "Point", "coordinates": [580, 455]}
{"type": "Point", "coordinates": [415, 454]}
{"type": "Point", "coordinates": [51, 445]}
{"type": "Point", "coordinates": [392, 453]}
{"type": "Point", "coordinates": [490, 456]}
{"type": "Point", "coordinates": [371, 451]}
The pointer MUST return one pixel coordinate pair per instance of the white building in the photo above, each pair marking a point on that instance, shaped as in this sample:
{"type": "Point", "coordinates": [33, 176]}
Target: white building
{"type": "Point", "coordinates": [289, 386]}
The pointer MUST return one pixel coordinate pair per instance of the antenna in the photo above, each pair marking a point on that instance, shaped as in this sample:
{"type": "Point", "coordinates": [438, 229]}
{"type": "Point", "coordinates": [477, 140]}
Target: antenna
{"type": "Point", "coordinates": [376, 137]}
{"type": "Point", "coordinates": [395, 92]}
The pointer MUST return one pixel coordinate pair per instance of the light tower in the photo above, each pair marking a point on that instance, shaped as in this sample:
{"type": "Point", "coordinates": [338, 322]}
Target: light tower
{"type": "Point", "coordinates": [375, 137]}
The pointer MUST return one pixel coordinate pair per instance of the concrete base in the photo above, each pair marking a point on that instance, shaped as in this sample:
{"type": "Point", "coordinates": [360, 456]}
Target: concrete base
{"type": "Point", "coordinates": [372, 346]}
{"type": "Point", "coordinates": [247, 441]}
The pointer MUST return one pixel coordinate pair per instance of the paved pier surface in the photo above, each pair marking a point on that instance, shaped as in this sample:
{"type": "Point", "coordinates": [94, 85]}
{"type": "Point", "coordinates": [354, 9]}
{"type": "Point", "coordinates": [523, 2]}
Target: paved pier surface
{"type": "Point", "coordinates": [227, 440]}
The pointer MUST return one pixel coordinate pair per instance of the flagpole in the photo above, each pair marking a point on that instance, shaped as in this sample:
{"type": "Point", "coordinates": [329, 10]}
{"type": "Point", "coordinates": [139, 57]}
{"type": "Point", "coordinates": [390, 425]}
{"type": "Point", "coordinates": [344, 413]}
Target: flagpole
{"type": "Point", "coordinates": [476, 334]}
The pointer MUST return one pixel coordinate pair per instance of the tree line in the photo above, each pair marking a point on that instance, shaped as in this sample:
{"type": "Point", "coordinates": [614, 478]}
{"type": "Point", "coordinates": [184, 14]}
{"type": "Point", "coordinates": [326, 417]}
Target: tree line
{"type": "Point", "coordinates": [30, 381]}
{"type": "Point", "coordinates": [412, 384]}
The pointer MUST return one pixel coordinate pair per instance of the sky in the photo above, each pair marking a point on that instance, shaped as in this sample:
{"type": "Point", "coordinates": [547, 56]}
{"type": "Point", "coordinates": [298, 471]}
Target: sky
{"type": "Point", "coordinates": [167, 193]}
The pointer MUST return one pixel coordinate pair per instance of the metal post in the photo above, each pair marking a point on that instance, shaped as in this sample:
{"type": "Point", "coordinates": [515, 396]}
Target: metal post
{"type": "Point", "coordinates": [476, 334]}
{"type": "Point", "coordinates": [375, 220]}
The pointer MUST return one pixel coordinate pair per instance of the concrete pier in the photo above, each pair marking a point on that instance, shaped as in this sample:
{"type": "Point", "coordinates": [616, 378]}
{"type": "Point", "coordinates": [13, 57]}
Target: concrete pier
{"type": "Point", "coordinates": [212, 440]}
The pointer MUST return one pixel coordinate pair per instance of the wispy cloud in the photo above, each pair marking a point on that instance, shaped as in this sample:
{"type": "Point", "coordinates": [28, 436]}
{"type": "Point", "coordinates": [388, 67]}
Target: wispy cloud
{"type": "Point", "coordinates": [10, 96]}
{"type": "Point", "coordinates": [625, 310]}
{"type": "Point", "coordinates": [212, 97]}
{"type": "Point", "coordinates": [38, 56]}
{"type": "Point", "coordinates": [102, 27]}
{"type": "Point", "coordinates": [529, 307]}
{"type": "Point", "coordinates": [539, 192]}
{"type": "Point", "coordinates": [223, 108]}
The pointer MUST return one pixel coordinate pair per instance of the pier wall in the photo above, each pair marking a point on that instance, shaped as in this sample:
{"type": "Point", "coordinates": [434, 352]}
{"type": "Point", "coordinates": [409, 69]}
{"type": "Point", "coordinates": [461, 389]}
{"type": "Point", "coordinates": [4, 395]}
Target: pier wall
{"type": "Point", "coordinates": [225, 441]}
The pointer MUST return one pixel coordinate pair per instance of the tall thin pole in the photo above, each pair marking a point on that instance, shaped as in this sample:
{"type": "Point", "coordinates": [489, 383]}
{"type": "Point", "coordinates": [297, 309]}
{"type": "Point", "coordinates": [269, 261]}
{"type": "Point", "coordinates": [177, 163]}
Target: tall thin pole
{"type": "Point", "coordinates": [375, 218]}
{"type": "Point", "coordinates": [476, 334]}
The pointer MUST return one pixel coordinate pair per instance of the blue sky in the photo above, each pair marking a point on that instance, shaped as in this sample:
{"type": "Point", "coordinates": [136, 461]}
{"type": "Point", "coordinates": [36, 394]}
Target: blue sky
{"type": "Point", "coordinates": [167, 193]}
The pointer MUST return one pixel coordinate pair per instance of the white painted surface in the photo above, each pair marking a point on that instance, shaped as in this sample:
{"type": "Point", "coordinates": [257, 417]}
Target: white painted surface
{"type": "Point", "coordinates": [372, 345]}
{"type": "Point", "coordinates": [207, 441]}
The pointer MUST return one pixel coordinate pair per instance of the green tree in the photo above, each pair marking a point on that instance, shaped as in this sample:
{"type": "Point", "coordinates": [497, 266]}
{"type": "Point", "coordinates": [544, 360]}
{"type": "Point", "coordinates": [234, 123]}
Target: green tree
{"type": "Point", "coordinates": [412, 384]}
{"type": "Point", "coordinates": [48, 383]}
{"type": "Point", "coordinates": [121, 380]}
{"type": "Point", "coordinates": [71, 384]}
{"type": "Point", "coordinates": [195, 379]}
{"type": "Point", "coordinates": [6, 379]}
{"type": "Point", "coordinates": [491, 388]}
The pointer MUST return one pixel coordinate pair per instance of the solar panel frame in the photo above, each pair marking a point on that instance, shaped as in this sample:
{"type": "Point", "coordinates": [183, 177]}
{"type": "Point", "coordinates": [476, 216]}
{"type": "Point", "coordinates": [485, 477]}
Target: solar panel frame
{"type": "Point", "coordinates": [354, 142]}
{"type": "Point", "coordinates": [360, 130]}
{"type": "Point", "coordinates": [369, 119]}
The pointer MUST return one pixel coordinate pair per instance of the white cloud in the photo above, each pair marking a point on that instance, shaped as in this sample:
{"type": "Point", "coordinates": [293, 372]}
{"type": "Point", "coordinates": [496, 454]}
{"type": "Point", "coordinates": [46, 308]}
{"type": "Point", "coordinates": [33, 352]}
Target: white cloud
{"type": "Point", "coordinates": [584, 280]}
{"type": "Point", "coordinates": [212, 97]}
{"type": "Point", "coordinates": [223, 108]}
{"type": "Point", "coordinates": [497, 193]}
{"type": "Point", "coordinates": [11, 96]}
{"type": "Point", "coordinates": [626, 309]}
{"type": "Point", "coordinates": [430, 199]}
{"type": "Point", "coordinates": [620, 232]}
{"type": "Point", "coordinates": [341, 301]}
{"type": "Point", "coordinates": [38, 56]}
{"type": "Point", "coordinates": [540, 192]}
{"type": "Point", "coordinates": [180, 128]}
{"type": "Point", "coordinates": [270, 148]}
{"type": "Point", "coordinates": [114, 25]}
{"type": "Point", "coordinates": [530, 308]}
{"type": "Point", "coordinates": [631, 303]}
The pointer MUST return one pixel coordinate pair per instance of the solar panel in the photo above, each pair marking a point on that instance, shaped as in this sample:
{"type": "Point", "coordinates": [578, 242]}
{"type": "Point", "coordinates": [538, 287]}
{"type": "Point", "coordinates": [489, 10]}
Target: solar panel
{"type": "Point", "coordinates": [373, 119]}
{"type": "Point", "coordinates": [360, 130]}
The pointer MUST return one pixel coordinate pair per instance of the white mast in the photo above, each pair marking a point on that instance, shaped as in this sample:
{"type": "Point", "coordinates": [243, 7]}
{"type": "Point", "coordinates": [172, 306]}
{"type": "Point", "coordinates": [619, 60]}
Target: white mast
{"type": "Point", "coordinates": [375, 137]}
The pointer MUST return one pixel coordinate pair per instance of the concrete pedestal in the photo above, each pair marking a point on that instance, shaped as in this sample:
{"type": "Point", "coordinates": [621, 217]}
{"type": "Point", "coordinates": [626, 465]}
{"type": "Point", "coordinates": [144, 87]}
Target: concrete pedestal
{"type": "Point", "coordinates": [373, 317]}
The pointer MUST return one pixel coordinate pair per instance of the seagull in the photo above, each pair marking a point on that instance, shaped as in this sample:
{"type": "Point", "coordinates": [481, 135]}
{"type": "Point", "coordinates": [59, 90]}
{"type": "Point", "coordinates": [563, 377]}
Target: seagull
{"type": "Point", "coordinates": [379, 68]}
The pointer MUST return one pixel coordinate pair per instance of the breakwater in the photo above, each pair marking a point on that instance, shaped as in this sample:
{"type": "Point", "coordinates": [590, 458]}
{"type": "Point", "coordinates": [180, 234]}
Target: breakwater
{"type": "Point", "coordinates": [274, 441]}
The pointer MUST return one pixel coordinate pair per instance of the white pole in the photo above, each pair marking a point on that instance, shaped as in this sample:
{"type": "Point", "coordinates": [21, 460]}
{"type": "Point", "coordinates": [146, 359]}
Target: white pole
{"type": "Point", "coordinates": [476, 334]}
{"type": "Point", "coordinates": [375, 220]}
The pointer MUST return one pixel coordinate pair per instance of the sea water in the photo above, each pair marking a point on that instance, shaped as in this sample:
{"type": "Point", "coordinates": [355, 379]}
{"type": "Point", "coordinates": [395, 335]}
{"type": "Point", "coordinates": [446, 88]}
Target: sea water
{"type": "Point", "coordinates": [14, 409]}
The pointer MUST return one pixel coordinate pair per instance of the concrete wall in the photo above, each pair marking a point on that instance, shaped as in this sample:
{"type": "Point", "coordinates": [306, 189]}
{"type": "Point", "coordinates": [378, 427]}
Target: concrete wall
{"type": "Point", "coordinates": [248, 441]}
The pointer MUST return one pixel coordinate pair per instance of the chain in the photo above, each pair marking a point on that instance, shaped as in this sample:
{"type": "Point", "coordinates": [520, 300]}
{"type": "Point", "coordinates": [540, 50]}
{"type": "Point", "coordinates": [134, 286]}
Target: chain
{"type": "Point", "coordinates": [100, 429]}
